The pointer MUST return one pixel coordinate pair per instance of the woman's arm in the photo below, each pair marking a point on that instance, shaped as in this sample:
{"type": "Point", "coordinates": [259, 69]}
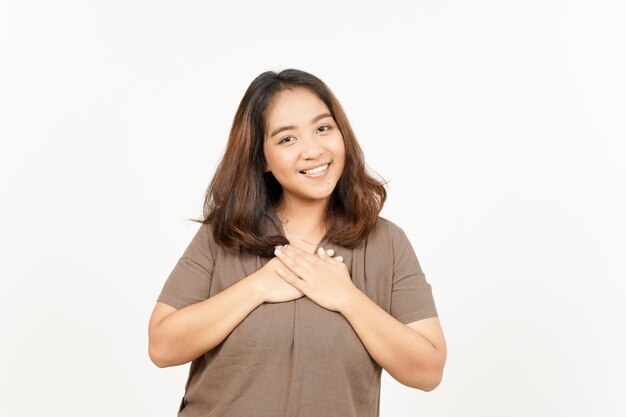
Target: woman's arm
{"type": "Point", "coordinates": [179, 336]}
{"type": "Point", "coordinates": [413, 354]}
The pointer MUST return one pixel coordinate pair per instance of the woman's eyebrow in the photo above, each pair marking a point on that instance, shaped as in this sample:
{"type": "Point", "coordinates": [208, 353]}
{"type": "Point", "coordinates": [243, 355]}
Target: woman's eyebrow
{"type": "Point", "coordinates": [315, 119]}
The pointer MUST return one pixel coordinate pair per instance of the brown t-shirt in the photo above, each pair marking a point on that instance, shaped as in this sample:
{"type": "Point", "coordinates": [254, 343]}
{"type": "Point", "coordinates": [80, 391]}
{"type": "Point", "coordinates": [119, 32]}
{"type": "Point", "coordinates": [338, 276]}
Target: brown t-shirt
{"type": "Point", "coordinates": [294, 359]}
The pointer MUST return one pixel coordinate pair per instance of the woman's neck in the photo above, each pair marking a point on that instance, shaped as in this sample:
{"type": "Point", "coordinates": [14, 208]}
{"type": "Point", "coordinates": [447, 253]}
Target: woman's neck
{"type": "Point", "coordinates": [302, 220]}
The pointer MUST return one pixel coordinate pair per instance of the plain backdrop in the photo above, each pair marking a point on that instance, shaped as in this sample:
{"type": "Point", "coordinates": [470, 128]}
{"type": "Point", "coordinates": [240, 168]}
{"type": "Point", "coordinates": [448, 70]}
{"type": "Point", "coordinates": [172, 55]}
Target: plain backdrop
{"type": "Point", "coordinates": [500, 126]}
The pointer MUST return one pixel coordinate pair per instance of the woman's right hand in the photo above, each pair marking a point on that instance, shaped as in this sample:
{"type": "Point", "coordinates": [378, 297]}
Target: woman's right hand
{"type": "Point", "coordinates": [275, 289]}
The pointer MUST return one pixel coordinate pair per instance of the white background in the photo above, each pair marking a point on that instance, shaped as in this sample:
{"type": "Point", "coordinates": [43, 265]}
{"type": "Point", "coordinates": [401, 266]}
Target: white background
{"type": "Point", "coordinates": [499, 124]}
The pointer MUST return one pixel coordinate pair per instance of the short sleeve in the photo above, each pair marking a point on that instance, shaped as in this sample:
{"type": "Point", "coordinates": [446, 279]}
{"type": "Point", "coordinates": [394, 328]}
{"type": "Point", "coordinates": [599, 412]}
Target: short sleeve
{"type": "Point", "coordinates": [411, 294]}
{"type": "Point", "coordinates": [190, 280]}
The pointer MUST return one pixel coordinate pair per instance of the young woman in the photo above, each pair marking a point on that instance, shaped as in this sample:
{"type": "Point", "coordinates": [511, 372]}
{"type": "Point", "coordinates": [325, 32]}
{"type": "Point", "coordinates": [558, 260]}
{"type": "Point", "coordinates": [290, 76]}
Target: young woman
{"type": "Point", "coordinates": [294, 293]}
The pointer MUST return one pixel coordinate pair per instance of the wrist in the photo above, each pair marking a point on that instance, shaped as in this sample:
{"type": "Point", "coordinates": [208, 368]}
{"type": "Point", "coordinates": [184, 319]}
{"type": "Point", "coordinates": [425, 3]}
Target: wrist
{"type": "Point", "coordinates": [252, 282]}
{"type": "Point", "coordinates": [351, 298]}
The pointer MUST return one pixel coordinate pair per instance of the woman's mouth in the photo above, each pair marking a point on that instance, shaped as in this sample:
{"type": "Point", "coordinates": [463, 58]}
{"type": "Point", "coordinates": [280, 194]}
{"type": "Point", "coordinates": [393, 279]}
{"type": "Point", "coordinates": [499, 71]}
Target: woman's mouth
{"type": "Point", "coordinates": [317, 172]}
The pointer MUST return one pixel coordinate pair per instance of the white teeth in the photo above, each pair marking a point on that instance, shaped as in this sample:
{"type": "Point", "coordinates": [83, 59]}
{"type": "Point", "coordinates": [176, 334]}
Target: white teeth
{"type": "Point", "coordinates": [316, 170]}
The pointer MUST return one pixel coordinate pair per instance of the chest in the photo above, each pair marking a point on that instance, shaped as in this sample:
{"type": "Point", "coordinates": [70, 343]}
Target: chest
{"type": "Point", "coordinates": [275, 330]}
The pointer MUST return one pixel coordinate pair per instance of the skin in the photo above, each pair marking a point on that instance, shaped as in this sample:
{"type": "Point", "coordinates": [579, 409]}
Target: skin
{"type": "Point", "coordinates": [304, 146]}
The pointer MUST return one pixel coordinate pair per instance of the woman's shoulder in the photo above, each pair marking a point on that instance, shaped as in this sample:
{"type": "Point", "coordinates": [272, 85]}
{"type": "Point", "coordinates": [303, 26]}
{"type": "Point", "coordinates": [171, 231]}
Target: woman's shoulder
{"type": "Point", "coordinates": [387, 225]}
{"type": "Point", "coordinates": [385, 241]}
{"type": "Point", "coordinates": [204, 239]}
{"type": "Point", "coordinates": [206, 231]}
{"type": "Point", "coordinates": [391, 230]}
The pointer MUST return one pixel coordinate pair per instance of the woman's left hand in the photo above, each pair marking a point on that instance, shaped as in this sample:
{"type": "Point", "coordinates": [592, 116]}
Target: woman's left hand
{"type": "Point", "coordinates": [323, 279]}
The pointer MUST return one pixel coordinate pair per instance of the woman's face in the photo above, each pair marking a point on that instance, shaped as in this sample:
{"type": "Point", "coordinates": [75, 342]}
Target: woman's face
{"type": "Point", "coordinates": [302, 135]}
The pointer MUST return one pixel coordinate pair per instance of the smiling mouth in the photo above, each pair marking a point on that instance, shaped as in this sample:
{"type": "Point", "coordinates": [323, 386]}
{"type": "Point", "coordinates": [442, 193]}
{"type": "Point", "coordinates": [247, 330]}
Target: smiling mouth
{"type": "Point", "coordinates": [317, 170]}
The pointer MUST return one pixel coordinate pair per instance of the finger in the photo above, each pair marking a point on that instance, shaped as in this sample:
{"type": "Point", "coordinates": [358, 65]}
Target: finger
{"type": "Point", "coordinates": [292, 261]}
{"type": "Point", "coordinates": [327, 254]}
{"type": "Point", "coordinates": [323, 253]}
{"type": "Point", "coordinates": [301, 256]}
{"type": "Point", "coordinates": [291, 278]}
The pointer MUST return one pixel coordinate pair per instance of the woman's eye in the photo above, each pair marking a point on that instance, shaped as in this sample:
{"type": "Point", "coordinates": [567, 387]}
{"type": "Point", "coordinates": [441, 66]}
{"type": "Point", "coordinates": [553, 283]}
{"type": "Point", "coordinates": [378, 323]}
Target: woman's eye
{"type": "Point", "coordinates": [283, 139]}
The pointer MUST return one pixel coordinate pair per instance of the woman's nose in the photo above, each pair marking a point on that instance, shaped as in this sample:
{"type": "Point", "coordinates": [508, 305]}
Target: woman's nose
{"type": "Point", "coordinates": [312, 148]}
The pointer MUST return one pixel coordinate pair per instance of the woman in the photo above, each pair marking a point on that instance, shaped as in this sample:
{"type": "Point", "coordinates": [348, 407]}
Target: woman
{"type": "Point", "coordinates": [275, 324]}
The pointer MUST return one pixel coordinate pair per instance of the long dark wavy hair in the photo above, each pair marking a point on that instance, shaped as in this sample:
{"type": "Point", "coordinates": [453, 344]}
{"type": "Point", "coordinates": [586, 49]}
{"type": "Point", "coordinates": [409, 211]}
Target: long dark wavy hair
{"type": "Point", "coordinates": [241, 194]}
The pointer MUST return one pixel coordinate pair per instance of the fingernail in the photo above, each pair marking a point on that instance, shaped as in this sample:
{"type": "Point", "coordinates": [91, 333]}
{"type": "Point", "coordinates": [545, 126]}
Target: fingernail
{"type": "Point", "coordinates": [320, 251]}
